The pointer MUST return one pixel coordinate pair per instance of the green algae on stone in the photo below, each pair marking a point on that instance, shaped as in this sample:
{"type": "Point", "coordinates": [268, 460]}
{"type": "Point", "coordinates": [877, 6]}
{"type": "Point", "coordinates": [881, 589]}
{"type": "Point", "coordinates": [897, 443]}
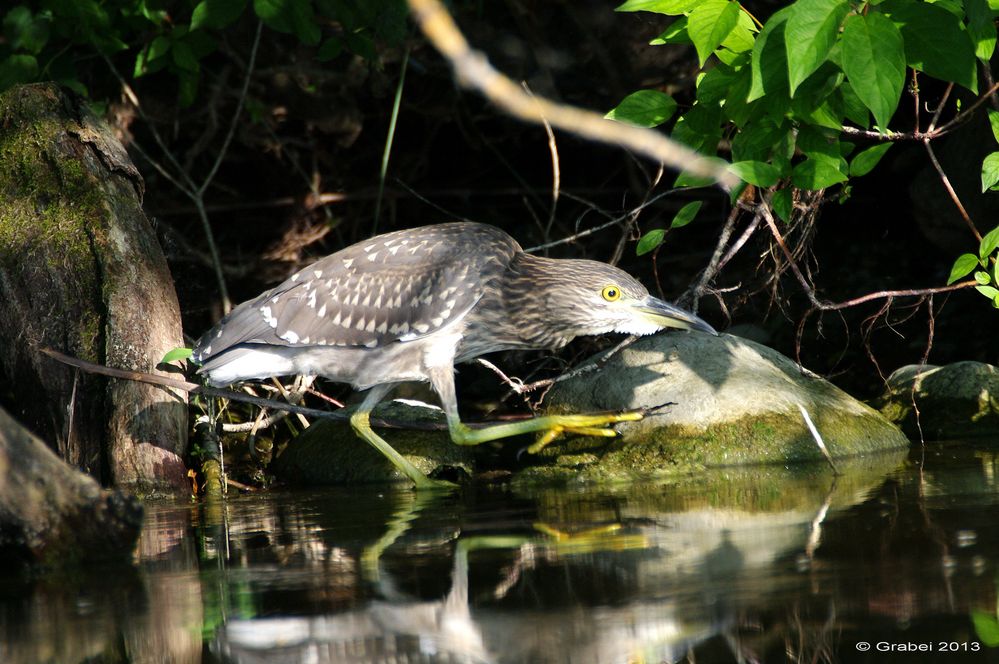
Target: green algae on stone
{"type": "Point", "coordinates": [329, 452]}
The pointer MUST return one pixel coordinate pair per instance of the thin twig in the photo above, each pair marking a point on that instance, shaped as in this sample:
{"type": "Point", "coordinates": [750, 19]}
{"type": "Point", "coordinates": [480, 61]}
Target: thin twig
{"type": "Point", "coordinates": [612, 222]}
{"type": "Point", "coordinates": [940, 107]}
{"type": "Point", "coordinates": [240, 102]}
{"type": "Point", "coordinates": [950, 190]}
{"type": "Point", "coordinates": [695, 292]}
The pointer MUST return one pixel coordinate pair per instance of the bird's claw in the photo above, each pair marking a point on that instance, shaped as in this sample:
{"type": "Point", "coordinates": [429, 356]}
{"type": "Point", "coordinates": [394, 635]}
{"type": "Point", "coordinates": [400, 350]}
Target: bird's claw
{"type": "Point", "coordinates": [585, 425]}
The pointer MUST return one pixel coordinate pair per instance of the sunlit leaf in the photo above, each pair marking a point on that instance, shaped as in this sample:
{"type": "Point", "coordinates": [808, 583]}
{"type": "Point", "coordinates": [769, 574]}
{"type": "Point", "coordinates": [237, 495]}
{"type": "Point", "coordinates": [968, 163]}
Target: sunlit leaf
{"type": "Point", "coordinates": [873, 58]}
{"type": "Point", "coordinates": [709, 24]}
{"type": "Point", "coordinates": [756, 172]}
{"type": "Point", "coordinates": [176, 354]}
{"type": "Point", "coordinates": [963, 266]}
{"type": "Point", "coordinates": [815, 174]}
{"type": "Point", "coordinates": [811, 31]}
{"type": "Point", "coordinates": [686, 214]}
{"type": "Point", "coordinates": [866, 160]}
{"type": "Point", "coordinates": [676, 33]}
{"type": "Point", "coordinates": [670, 7]}
{"type": "Point", "coordinates": [989, 243]}
{"type": "Point", "coordinates": [769, 64]}
{"type": "Point", "coordinates": [645, 108]}
{"type": "Point", "coordinates": [988, 291]}
{"type": "Point", "coordinates": [936, 42]}
{"type": "Point", "coordinates": [650, 241]}
{"type": "Point", "coordinates": [990, 171]}
{"type": "Point", "coordinates": [981, 27]}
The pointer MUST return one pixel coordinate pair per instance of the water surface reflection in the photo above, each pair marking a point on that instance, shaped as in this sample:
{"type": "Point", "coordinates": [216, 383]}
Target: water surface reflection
{"type": "Point", "coordinates": [758, 564]}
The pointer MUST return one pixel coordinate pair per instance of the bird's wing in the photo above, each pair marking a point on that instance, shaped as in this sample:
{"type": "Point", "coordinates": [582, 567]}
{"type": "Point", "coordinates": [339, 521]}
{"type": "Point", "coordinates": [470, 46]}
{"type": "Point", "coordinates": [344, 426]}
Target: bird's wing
{"type": "Point", "coordinates": [395, 287]}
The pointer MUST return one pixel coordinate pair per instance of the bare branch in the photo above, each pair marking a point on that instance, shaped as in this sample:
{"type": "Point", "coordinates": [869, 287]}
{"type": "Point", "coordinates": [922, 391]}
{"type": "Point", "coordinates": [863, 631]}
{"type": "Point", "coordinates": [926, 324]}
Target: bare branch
{"type": "Point", "coordinates": [473, 70]}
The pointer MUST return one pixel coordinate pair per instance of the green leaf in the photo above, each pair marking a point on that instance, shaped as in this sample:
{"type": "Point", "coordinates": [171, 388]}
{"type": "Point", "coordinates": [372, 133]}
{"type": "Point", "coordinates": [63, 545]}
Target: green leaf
{"type": "Point", "coordinates": [815, 174]}
{"type": "Point", "coordinates": [188, 90]}
{"type": "Point", "coordinates": [183, 56]}
{"type": "Point", "coordinates": [853, 108]}
{"type": "Point", "coordinates": [670, 7]}
{"type": "Point", "coordinates": [216, 13]}
{"type": "Point", "coordinates": [936, 42]}
{"type": "Point", "coordinates": [650, 241]}
{"type": "Point", "coordinates": [645, 108]}
{"type": "Point", "coordinates": [289, 16]}
{"type": "Point", "coordinates": [990, 171]}
{"type": "Point", "coordinates": [685, 215]}
{"type": "Point", "coordinates": [676, 33]}
{"type": "Point", "coordinates": [963, 266]}
{"type": "Point", "coordinates": [873, 57]}
{"type": "Point", "coordinates": [150, 59]}
{"type": "Point", "coordinates": [982, 278]}
{"type": "Point", "coordinates": [981, 28]}
{"type": "Point", "coordinates": [866, 160]}
{"type": "Point", "coordinates": [988, 291]}
{"type": "Point", "coordinates": [994, 123]}
{"type": "Point", "coordinates": [743, 35]}
{"type": "Point", "coordinates": [769, 62]}
{"type": "Point", "coordinates": [756, 172]}
{"type": "Point", "coordinates": [709, 24]}
{"type": "Point", "coordinates": [820, 145]}
{"type": "Point", "coordinates": [989, 243]}
{"type": "Point", "coordinates": [330, 49]}
{"type": "Point", "coordinates": [176, 354]}
{"type": "Point", "coordinates": [715, 85]}
{"type": "Point", "coordinates": [17, 69]}
{"type": "Point", "coordinates": [986, 628]}
{"type": "Point", "coordinates": [782, 203]}
{"type": "Point", "coordinates": [811, 31]}
{"type": "Point", "coordinates": [757, 141]}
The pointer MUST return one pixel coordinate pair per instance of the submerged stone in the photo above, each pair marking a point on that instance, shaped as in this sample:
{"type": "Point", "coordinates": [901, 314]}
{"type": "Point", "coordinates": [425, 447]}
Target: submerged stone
{"type": "Point", "coordinates": [714, 401]}
{"type": "Point", "coordinates": [959, 400]}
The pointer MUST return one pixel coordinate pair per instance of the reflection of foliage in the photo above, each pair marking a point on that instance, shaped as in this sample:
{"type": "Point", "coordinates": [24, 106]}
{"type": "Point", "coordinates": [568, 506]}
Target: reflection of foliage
{"type": "Point", "coordinates": [46, 39]}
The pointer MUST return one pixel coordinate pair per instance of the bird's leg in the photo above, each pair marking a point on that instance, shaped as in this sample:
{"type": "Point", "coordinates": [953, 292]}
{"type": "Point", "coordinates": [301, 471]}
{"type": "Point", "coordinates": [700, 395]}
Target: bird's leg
{"type": "Point", "coordinates": [360, 420]}
{"type": "Point", "coordinates": [550, 426]}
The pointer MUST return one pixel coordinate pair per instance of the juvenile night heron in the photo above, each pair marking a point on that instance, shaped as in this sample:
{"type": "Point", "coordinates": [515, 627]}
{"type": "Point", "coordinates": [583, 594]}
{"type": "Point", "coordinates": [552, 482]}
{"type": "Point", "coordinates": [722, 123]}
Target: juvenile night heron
{"type": "Point", "coordinates": [408, 305]}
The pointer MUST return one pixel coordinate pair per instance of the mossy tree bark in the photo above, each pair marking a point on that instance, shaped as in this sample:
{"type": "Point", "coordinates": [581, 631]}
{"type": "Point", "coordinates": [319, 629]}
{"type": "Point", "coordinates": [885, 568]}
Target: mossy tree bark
{"type": "Point", "coordinates": [81, 271]}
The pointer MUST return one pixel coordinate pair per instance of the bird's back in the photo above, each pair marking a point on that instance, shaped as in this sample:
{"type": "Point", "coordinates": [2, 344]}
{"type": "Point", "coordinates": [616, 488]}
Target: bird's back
{"type": "Point", "coordinates": [395, 287]}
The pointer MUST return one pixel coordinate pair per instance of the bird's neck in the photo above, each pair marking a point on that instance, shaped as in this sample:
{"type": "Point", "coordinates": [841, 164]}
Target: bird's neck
{"type": "Point", "coordinates": [519, 311]}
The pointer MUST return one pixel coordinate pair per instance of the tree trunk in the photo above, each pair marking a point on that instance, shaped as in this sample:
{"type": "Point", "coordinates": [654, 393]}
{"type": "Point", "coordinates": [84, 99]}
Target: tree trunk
{"type": "Point", "coordinates": [53, 515]}
{"type": "Point", "coordinates": [81, 272]}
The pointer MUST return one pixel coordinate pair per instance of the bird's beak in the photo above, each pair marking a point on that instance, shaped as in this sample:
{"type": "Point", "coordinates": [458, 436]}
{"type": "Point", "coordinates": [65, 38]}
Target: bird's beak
{"type": "Point", "coordinates": [666, 315]}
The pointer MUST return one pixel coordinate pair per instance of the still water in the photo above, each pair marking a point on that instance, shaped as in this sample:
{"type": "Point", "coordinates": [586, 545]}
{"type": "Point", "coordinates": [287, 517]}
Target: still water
{"type": "Point", "coordinates": [894, 559]}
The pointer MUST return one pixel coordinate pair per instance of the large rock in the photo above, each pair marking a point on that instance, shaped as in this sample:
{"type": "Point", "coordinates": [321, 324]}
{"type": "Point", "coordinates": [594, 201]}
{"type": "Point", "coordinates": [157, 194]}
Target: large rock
{"type": "Point", "coordinates": [717, 401]}
{"type": "Point", "coordinates": [958, 400]}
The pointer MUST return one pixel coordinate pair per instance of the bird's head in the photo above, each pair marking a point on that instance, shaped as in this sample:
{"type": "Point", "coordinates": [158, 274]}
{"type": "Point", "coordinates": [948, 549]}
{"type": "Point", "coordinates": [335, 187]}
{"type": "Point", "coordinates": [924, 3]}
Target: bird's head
{"type": "Point", "coordinates": [595, 298]}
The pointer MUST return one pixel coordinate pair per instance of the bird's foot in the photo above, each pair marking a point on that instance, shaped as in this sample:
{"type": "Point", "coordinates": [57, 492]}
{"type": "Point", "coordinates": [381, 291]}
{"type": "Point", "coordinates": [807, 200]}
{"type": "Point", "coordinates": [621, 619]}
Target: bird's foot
{"type": "Point", "coordinates": [583, 425]}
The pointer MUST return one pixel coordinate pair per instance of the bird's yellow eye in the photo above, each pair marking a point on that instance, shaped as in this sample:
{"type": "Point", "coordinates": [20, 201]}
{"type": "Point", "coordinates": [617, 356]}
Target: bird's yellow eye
{"type": "Point", "coordinates": [611, 293]}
